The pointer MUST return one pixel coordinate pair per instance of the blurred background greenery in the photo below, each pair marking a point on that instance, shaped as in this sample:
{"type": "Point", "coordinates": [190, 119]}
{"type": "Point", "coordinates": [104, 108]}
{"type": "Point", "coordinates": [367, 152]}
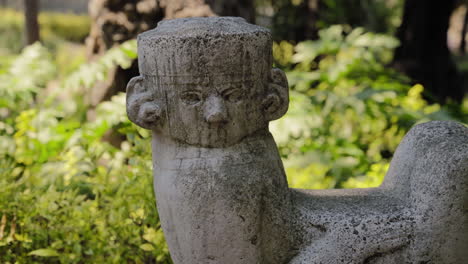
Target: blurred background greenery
{"type": "Point", "coordinates": [75, 174]}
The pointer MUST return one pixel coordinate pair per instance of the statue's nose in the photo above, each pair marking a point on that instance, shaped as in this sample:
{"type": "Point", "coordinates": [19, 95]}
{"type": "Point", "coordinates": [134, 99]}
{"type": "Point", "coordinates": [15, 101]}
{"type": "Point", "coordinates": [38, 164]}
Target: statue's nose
{"type": "Point", "coordinates": [215, 110]}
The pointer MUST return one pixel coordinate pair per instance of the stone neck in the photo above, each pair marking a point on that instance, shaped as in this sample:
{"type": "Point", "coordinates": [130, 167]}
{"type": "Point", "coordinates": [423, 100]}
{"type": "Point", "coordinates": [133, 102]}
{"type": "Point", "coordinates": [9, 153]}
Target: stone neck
{"type": "Point", "coordinates": [171, 153]}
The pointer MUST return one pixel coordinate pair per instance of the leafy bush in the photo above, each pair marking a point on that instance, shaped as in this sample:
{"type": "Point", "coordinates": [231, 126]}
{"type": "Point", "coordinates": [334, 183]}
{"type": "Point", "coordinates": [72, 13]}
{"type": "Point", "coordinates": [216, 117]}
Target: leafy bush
{"type": "Point", "coordinates": [348, 112]}
{"type": "Point", "coordinates": [54, 27]}
{"type": "Point", "coordinates": [375, 15]}
{"type": "Point", "coordinates": [70, 27]}
{"type": "Point", "coordinates": [67, 196]}
{"type": "Point", "coordinates": [70, 197]}
{"type": "Point", "coordinates": [11, 27]}
{"type": "Point", "coordinates": [289, 17]}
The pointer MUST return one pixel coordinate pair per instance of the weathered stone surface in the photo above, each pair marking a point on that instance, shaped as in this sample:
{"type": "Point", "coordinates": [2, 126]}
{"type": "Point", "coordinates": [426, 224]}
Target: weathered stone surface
{"type": "Point", "coordinates": [207, 91]}
{"type": "Point", "coordinates": [418, 215]}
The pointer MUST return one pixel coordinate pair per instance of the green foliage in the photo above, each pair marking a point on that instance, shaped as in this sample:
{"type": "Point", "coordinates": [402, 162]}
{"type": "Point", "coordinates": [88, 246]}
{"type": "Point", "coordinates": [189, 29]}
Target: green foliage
{"type": "Point", "coordinates": [88, 74]}
{"type": "Point", "coordinates": [375, 15]}
{"type": "Point", "coordinates": [11, 28]}
{"type": "Point", "coordinates": [70, 27]}
{"type": "Point", "coordinates": [24, 77]}
{"type": "Point", "coordinates": [291, 18]}
{"type": "Point", "coordinates": [68, 196]}
{"type": "Point", "coordinates": [348, 112]}
{"type": "Point", "coordinates": [54, 28]}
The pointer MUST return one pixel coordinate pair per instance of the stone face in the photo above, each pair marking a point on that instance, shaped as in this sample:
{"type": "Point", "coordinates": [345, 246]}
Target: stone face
{"type": "Point", "coordinates": [207, 92]}
{"type": "Point", "coordinates": [216, 77]}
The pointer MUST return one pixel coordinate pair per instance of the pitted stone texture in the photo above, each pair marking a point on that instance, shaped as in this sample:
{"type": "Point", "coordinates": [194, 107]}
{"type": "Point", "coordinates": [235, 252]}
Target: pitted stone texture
{"type": "Point", "coordinates": [418, 215]}
{"type": "Point", "coordinates": [194, 48]}
{"type": "Point", "coordinates": [430, 172]}
{"type": "Point", "coordinates": [223, 205]}
{"type": "Point", "coordinates": [211, 87]}
{"type": "Point", "coordinates": [207, 91]}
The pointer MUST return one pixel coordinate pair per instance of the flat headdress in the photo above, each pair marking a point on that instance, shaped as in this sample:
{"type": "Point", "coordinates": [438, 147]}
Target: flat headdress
{"type": "Point", "coordinates": [181, 50]}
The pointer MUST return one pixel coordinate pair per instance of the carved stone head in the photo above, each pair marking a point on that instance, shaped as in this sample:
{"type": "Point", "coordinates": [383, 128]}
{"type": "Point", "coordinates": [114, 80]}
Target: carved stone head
{"type": "Point", "coordinates": [206, 81]}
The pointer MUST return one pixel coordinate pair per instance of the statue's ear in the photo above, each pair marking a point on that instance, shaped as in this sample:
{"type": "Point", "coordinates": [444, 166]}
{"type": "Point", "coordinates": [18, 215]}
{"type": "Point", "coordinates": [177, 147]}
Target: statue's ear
{"type": "Point", "coordinates": [276, 102]}
{"type": "Point", "coordinates": [142, 108]}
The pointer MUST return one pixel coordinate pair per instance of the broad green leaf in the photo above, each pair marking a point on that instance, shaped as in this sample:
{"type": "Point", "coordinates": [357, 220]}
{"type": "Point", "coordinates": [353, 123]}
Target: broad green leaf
{"type": "Point", "coordinates": [147, 247]}
{"type": "Point", "coordinates": [44, 252]}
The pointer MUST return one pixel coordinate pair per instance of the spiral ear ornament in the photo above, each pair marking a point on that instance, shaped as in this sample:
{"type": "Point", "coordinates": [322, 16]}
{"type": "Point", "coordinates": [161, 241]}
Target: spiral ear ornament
{"type": "Point", "coordinates": [142, 109]}
{"type": "Point", "coordinates": [276, 102]}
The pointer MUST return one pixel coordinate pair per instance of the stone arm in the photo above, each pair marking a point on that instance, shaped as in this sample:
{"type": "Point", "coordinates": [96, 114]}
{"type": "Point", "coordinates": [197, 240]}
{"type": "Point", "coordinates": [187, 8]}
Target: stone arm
{"type": "Point", "coordinates": [350, 226]}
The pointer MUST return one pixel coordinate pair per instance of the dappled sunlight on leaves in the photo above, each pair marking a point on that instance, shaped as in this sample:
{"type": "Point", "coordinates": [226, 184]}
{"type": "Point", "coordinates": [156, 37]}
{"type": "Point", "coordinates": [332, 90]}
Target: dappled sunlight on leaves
{"type": "Point", "coordinates": [348, 112]}
{"type": "Point", "coordinates": [67, 194]}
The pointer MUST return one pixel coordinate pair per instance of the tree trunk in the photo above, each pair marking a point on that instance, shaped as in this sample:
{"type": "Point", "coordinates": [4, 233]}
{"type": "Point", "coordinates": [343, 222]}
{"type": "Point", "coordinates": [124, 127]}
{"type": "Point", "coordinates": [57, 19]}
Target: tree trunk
{"type": "Point", "coordinates": [31, 9]}
{"type": "Point", "coordinates": [423, 54]}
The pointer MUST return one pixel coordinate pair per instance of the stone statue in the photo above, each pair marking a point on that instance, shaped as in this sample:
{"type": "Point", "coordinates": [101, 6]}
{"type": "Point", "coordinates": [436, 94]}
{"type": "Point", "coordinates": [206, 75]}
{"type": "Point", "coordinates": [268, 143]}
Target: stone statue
{"type": "Point", "coordinates": [207, 92]}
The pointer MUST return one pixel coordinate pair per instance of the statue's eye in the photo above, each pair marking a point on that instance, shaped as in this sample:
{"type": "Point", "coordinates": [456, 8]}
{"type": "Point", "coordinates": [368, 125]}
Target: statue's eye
{"type": "Point", "coordinates": [191, 97]}
{"type": "Point", "coordinates": [233, 95]}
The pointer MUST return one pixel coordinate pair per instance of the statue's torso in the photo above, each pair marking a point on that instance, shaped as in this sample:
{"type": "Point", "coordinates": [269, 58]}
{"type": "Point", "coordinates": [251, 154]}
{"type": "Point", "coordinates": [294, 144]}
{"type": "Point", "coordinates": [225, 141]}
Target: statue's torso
{"type": "Point", "coordinates": [220, 198]}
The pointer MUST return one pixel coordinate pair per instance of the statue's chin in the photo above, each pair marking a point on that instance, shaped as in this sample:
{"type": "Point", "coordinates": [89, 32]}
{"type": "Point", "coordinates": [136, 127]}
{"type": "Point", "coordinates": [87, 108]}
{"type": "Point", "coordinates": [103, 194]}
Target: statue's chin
{"type": "Point", "coordinates": [213, 142]}
{"type": "Point", "coordinates": [220, 141]}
